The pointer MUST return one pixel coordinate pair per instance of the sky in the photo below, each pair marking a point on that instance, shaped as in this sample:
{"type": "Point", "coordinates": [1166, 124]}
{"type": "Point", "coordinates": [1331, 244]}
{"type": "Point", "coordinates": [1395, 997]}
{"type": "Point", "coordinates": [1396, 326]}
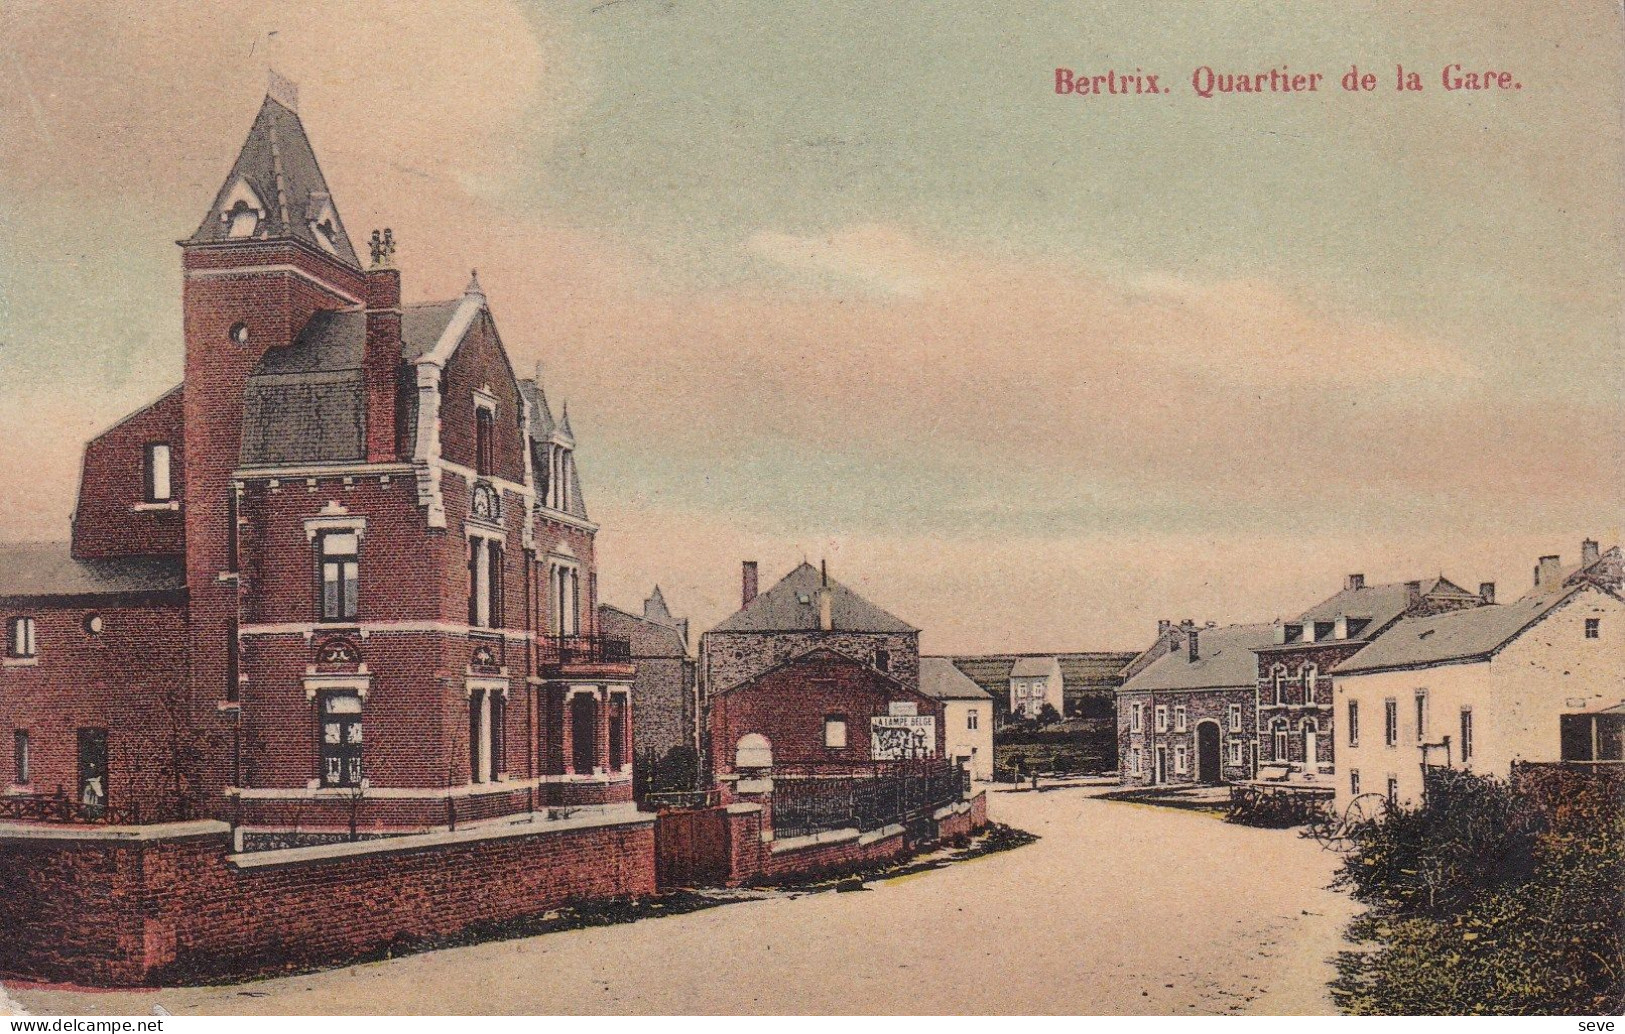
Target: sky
{"type": "Point", "coordinates": [852, 282]}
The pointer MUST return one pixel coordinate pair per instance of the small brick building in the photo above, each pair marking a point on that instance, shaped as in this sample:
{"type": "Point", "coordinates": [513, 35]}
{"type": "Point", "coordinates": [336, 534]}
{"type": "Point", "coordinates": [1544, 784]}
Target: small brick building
{"type": "Point", "coordinates": [810, 675]}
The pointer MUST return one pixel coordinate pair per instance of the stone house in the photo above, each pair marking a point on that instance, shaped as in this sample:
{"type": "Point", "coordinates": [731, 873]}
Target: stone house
{"type": "Point", "coordinates": [765, 642]}
{"type": "Point", "coordinates": [663, 690]}
{"type": "Point", "coordinates": [1035, 682]}
{"type": "Point", "coordinates": [1294, 686]}
{"type": "Point", "coordinates": [1540, 679]}
{"type": "Point", "coordinates": [1188, 716]}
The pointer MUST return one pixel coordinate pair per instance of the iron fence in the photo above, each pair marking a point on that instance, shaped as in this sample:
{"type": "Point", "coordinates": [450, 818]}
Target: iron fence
{"type": "Point", "coordinates": [554, 651]}
{"type": "Point", "coordinates": [61, 808]}
{"type": "Point", "coordinates": [812, 803]}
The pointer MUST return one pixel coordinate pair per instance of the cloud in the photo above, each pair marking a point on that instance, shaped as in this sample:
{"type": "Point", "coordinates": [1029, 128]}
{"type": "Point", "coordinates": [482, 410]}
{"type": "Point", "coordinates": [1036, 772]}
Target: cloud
{"type": "Point", "coordinates": [150, 101]}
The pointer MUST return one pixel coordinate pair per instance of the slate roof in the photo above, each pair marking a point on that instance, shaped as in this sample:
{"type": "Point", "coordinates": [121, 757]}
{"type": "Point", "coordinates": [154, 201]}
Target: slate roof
{"type": "Point", "coordinates": [792, 606]}
{"type": "Point", "coordinates": [1034, 667]}
{"type": "Point", "coordinates": [48, 569]}
{"type": "Point", "coordinates": [1461, 635]}
{"type": "Point", "coordinates": [305, 403]}
{"type": "Point", "coordinates": [1378, 605]}
{"type": "Point", "coordinates": [1081, 673]}
{"type": "Point", "coordinates": [651, 640]}
{"type": "Point", "coordinates": [1224, 661]}
{"type": "Point", "coordinates": [279, 165]}
{"type": "Point", "coordinates": [940, 679]}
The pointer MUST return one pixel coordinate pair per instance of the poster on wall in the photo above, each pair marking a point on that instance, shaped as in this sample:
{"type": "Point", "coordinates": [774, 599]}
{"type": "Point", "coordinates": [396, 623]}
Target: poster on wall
{"type": "Point", "coordinates": [901, 737]}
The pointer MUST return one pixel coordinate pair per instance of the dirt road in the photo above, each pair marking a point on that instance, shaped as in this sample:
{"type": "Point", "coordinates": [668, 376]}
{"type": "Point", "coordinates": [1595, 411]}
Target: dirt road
{"type": "Point", "coordinates": [1119, 908]}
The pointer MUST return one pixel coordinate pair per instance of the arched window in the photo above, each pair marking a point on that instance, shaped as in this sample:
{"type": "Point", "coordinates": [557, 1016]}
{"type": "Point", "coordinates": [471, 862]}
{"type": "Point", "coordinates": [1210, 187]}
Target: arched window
{"type": "Point", "coordinates": [1280, 737]}
{"type": "Point", "coordinates": [242, 220]}
{"type": "Point", "coordinates": [753, 751]}
{"type": "Point", "coordinates": [1278, 679]}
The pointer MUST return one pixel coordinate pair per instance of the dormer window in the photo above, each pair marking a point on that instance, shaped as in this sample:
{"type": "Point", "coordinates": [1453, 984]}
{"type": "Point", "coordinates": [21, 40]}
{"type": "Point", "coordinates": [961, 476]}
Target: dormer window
{"type": "Point", "coordinates": [323, 222]}
{"type": "Point", "coordinates": [242, 220]}
{"type": "Point", "coordinates": [159, 484]}
{"type": "Point", "coordinates": [242, 211]}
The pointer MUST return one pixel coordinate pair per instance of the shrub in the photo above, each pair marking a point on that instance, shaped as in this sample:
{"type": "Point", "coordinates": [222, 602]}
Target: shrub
{"type": "Point", "coordinates": [1487, 900]}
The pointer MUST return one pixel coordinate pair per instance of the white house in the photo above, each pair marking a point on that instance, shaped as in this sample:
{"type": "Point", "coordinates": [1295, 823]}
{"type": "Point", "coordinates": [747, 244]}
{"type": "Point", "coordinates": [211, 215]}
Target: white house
{"type": "Point", "coordinates": [967, 714]}
{"type": "Point", "coordinates": [1034, 682]}
{"type": "Point", "coordinates": [1481, 688]}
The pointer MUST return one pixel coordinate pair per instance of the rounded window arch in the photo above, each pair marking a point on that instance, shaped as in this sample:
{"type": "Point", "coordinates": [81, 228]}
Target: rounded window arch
{"type": "Point", "coordinates": [753, 751]}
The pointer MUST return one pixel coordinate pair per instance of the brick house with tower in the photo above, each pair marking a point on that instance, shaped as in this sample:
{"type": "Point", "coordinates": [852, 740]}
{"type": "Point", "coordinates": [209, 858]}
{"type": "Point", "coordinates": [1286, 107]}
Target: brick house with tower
{"type": "Point", "coordinates": [340, 581]}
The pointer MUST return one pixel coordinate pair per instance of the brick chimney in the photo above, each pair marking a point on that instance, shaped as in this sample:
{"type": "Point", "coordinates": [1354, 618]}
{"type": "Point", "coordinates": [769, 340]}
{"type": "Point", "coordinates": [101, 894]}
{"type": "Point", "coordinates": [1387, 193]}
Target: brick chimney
{"type": "Point", "coordinates": [1486, 591]}
{"type": "Point", "coordinates": [1355, 581]}
{"type": "Point", "coordinates": [1192, 641]}
{"type": "Point", "coordinates": [1588, 552]}
{"type": "Point", "coordinates": [747, 583]}
{"type": "Point", "coordinates": [1413, 594]}
{"type": "Point", "coordinates": [381, 360]}
{"type": "Point", "coordinates": [1547, 570]}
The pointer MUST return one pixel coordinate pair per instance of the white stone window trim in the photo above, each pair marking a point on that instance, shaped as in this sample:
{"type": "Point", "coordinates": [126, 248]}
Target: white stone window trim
{"type": "Point", "coordinates": [334, 517]}
{"type": "Point", "coordinates": [473, 529]}
{"type": "Point", "coordinates": [169, 505]}
{"type": "Point", "coordinates": [485, 398]}
{"type": "Point", "coordinates": [359, 683]}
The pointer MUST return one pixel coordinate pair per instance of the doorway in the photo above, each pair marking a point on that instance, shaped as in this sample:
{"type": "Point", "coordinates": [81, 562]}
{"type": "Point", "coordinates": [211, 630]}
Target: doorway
{"type": "Point", "coordinates": [93, 772]}
{"type": "Point", "coordinates": [1208, 768]}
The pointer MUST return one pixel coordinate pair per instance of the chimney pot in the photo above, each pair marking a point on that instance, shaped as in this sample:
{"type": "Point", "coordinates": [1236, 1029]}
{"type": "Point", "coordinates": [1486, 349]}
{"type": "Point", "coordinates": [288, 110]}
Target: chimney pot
{"type": "Point", "coordinates": [1356, 581]}
{"type": "Point", "coordinates": [1487, 591]}
{"type": "Point", "coordinates": [1546, 571]}
{"type": "Point", "coordinates": [1588, 552]}
{"type": "Point", "coordinates": [748, 583]}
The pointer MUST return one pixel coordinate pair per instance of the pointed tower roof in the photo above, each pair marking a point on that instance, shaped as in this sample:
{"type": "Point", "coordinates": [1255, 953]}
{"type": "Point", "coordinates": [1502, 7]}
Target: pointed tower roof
{"type": "Point", "coordinates": [655, 609]}
{"type": "Point", "coordinates": [276, 189]}
{"type": "Point", "coordinates": [564, 431]}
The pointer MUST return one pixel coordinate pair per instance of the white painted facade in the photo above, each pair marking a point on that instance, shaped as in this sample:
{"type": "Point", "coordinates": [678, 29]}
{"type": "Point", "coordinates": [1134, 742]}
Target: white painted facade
{"type": "Point", "coordinates": [1514, 697]}
{"type": "Point", "coordinates": [969, 734]}
{"type": "Point", "coordinates": [1035, 682]}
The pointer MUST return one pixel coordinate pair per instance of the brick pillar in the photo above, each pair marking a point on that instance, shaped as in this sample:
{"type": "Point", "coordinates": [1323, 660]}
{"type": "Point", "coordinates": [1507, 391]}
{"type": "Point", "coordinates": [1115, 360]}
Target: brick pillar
{"type": "Point", "coordinates": [601, 712]}
{"type": "Point", "coordinates": [381, 360]}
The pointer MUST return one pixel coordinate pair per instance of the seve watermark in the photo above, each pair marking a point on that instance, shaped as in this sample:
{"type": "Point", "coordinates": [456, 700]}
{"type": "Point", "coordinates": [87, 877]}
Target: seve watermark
{"type": "Point", "coordinates": [1210, 83]}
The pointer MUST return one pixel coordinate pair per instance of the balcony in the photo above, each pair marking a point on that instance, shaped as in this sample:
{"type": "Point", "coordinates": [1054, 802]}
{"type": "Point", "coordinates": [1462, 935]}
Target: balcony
{"type": "Point", "coordinates": [584, 655]}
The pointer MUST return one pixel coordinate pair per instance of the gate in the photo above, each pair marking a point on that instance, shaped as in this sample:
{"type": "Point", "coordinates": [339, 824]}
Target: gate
{"type": "Point", "coordinates": [691, 848]}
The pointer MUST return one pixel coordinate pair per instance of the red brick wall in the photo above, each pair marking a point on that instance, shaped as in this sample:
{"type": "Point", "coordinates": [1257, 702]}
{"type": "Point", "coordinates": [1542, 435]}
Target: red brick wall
{"type": "Point", "coordinates": [275, 305]}
{"type": "Point", "coordinates": [129, 679]}
{"type": "Point", "coordinates": [68, 908]}
{"type": "Point", "coordinates": [788, 706]}
{"type": "Point", "coordinates": [481, 364]}
{"type": "Point", "coordinates": [113, 482]}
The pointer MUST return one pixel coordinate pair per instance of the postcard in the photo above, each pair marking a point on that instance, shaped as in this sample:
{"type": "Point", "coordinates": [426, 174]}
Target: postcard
{"type": "Point", "coordinates": [661, 507]}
